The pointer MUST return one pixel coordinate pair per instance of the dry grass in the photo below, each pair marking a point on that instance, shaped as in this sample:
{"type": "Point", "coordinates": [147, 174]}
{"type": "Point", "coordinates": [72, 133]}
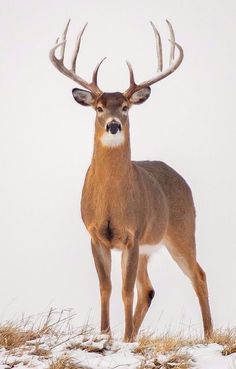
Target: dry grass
{"type": "Point", "coordinates": [167, 343]}
{"type": "Point", "coordinates": [88, 348]}
{"type": "Point", "coordinates": [17, 334]}
{"type": "Point", "coordinates": [225, 338]}
{"type": "Point", "coordinates": [12, 336]}
{"type": "Point", "coordinates": [40, 351]}
{"type": "Point", "coordinates": [54, 329]}
{"type": "Point", "coordinates": [176, 361]}
{"type": "Point", "coordinates": [55, 323]}
{"type": "Point", "coordinates": [164, 344]}
{"type": "Point", "coordinates": [150, 347]}
{"type": "Point", "coordinates": [39, 336]}
{"type": "Point", "coordinates": [64, 362]}
{"type": "Point", "coordinates": [98, 345]}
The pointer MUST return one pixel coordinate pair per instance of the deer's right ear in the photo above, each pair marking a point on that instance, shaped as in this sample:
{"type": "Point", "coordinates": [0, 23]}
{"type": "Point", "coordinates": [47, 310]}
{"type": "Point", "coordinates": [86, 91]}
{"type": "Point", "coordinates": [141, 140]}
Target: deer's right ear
{"type": "Point", "coordinates": [83, 97]}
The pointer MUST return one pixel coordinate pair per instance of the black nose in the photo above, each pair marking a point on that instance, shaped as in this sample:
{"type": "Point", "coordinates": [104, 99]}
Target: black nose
{"type": "Point", "coordinates": [113, 127]}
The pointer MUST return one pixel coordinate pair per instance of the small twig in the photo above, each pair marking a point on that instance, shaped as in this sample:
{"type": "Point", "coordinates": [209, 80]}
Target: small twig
{"type": "Point", "coordinates": [67, 340]}
{"type": "Point", "coordinates": [45, 327]}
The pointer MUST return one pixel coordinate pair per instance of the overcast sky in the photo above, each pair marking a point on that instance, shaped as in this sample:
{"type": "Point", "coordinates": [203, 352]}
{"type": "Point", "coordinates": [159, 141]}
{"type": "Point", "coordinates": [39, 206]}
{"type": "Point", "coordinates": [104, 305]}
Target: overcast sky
{"type": "Point", "coordinates": [46, 144]}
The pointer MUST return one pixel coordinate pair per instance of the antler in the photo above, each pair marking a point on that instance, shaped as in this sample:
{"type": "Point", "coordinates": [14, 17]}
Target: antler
{"type": "Point", "coordinates": [173, 65]}
{"type": "Point", "coordinates": [71, 73]}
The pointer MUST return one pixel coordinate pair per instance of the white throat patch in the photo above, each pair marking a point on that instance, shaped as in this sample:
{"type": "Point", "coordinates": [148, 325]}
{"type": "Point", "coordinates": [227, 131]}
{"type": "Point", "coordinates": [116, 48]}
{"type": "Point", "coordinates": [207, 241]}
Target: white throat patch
{"type": "Point", "coordinates": [110, 140]}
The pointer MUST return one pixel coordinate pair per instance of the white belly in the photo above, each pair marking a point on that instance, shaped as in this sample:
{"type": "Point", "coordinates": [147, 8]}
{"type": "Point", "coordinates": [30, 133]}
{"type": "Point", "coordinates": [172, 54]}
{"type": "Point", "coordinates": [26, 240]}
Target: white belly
{"type": "Point", "coordinates": [149, 249]}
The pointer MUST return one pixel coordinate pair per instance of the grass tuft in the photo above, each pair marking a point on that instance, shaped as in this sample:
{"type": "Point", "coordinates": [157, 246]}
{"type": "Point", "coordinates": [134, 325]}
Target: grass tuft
{"type": "Point", "coordinates": [64, 362]}
{"type": "Point", "coordinates": [225, 338]}
{"type": "Point", "coordinates": [164, 344]}
{"type": "Point", "coordinates": [97, 344]}
{"type": "Point", "coordinates": [151, 347]}
{"type": "Point", "coordinates": [40, 351]}
{"type": "Point", "coordinates": [17, 334]}
{"type": "Point", "coordinates": [174, 361]}
{"type": "Point", "coordinates": [88, 348]}
{"type": "Point", "coordinates": [12, 336]}
{"type": "Point", "coordinates": [177, 361]}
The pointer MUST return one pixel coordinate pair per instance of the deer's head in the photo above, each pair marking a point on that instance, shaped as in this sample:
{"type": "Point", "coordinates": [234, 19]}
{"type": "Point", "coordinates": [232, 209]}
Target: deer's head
{"type": "Point", "coordinates": [112, 109]}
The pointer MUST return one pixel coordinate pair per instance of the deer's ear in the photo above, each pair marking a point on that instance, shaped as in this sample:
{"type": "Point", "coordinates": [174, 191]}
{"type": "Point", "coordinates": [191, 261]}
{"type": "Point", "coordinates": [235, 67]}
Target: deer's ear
{"type": "Point", "coordinates": [83, 97]}
{"type": "Point", "coordinates": [140, 96]}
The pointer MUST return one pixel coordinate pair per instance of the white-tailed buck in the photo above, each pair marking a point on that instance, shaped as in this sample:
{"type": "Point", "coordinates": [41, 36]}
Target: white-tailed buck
{"type": "Point", "coordinates": [133, 205]}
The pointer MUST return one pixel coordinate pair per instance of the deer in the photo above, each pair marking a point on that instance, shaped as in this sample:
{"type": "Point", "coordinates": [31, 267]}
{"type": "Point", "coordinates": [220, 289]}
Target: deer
{"type": "Point", "coordinates": [132, 206]}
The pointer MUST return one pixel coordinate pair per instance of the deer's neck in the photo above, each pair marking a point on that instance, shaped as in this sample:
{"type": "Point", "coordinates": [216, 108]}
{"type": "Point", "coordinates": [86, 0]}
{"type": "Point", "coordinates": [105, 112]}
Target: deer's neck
{"type": "Point", "coordinates": [111, 163]}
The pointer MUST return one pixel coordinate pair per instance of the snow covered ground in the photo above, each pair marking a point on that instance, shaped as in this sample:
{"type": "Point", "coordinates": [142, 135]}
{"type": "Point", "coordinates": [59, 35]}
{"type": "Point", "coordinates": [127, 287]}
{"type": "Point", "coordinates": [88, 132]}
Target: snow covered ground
{"type": "Point", "coordinates": [88, 350]}
{"type": "Point", "coordinates": [51, 341]}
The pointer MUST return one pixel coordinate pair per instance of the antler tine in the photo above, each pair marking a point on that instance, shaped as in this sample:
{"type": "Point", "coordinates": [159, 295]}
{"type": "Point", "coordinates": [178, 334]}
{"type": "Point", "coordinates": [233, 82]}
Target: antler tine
{"type": "Point", "coordinates": [64, 41]}
{"type": "Point", "coordinates": [168, 71]}
{"type": "Point", "coordinates": [55, 61]}
{"type": "Point", "coordinates": [132, 86]}
{"type": "Point", "coordinates": [131, 73]}
{"type": "Point", "coordinates": [95, 73]}
{"type": "Point", "coordinates": [59, 63]}
{"type": "Point", "coordinates": [172, 40]}
{"type": "Point", "coordinates": [77, 47]}
{"type": "Point", "coordinates": [158, 48]}
{"type": "Point", "coordinates": [172, 67]}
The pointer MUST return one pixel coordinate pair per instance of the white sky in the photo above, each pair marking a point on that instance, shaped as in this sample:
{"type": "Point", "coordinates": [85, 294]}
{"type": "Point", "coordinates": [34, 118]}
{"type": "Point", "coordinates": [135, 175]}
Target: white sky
{"type": "Point", "coordinates": [46, 145]}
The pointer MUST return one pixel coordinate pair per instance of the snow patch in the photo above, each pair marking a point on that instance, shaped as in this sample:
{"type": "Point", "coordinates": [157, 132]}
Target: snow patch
{"type": "Point", "coordinates": [96, 351]}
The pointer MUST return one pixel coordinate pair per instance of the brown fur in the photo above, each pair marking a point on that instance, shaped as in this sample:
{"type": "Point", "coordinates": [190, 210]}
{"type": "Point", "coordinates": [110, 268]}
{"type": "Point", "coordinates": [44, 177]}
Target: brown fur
{"type": "Point", "coordinates": [126, 204]}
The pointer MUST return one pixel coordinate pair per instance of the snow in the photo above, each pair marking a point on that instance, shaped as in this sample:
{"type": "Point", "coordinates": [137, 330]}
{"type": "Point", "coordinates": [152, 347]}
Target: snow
{"type": "Point", "coordinates": [108, 354]}
{"type": "Point", "coordinates": [210, 357]}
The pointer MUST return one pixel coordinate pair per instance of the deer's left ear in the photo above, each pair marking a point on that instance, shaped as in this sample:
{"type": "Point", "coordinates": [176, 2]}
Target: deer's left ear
{"type": "Point", "coordinates": [140, 96]}
{"type": "Point", "coordinates": [83, 97]}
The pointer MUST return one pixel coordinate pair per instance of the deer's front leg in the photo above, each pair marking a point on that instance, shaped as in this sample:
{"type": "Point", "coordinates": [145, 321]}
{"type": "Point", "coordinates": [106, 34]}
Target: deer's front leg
{"type": "Point", "coordinates": [129, 263]}
{"type": "Point", "coordinates": [102, 260]}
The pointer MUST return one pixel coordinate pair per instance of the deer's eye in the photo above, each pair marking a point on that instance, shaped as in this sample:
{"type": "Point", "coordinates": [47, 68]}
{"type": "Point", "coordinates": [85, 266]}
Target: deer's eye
{"type": "Point", "coordinates": [99, 109]}
{"type": "Point", "coordinates": [125, 108]}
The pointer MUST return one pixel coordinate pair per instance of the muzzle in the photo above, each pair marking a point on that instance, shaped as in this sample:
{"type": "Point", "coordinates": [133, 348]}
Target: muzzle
{"type": "Point", "coordinates": [113, 127]}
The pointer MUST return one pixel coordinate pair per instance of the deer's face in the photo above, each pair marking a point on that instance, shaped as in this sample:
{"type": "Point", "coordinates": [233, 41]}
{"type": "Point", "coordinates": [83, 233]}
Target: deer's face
{"type": "Point", "coordinates": [112, 109]}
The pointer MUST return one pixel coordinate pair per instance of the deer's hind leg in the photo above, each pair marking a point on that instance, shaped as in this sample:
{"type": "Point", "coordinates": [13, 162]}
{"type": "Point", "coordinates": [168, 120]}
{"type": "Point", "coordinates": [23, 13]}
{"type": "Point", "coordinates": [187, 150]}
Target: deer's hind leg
{"type": "Point", "coordinates": [145, 293]}
{"type": "Point", "coordinates": [184, 254]}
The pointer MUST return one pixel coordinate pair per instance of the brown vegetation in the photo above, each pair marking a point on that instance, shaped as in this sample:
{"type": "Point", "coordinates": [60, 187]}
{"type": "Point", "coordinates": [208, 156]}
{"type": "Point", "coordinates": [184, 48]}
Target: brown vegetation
{"type": "Point", "coordinates": [12, 336]}
{"type": "Point", "coordinates": [53, 330]}
{"type": "Point", "coordinates": [163, 344]}
{"type": "Point", "coordinates": [177, 361]}
{"type": "Point", "coordinates": [64, 362]}
{"type": "Point", "coordinates": [225, 338]}
{"type": "Point", "coordinates": [88, 348]}
{"type": "Point", "coordinates": [150, 347]}
{"type": "Point", "coordinates": [17, 334]}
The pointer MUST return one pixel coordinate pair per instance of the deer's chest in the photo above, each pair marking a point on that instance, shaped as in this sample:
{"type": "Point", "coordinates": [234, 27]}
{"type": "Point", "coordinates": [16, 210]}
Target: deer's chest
{"type": "Point", "coordinates": [107, 202]}
{"type": "Point", "coordinates": [109, 213]}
